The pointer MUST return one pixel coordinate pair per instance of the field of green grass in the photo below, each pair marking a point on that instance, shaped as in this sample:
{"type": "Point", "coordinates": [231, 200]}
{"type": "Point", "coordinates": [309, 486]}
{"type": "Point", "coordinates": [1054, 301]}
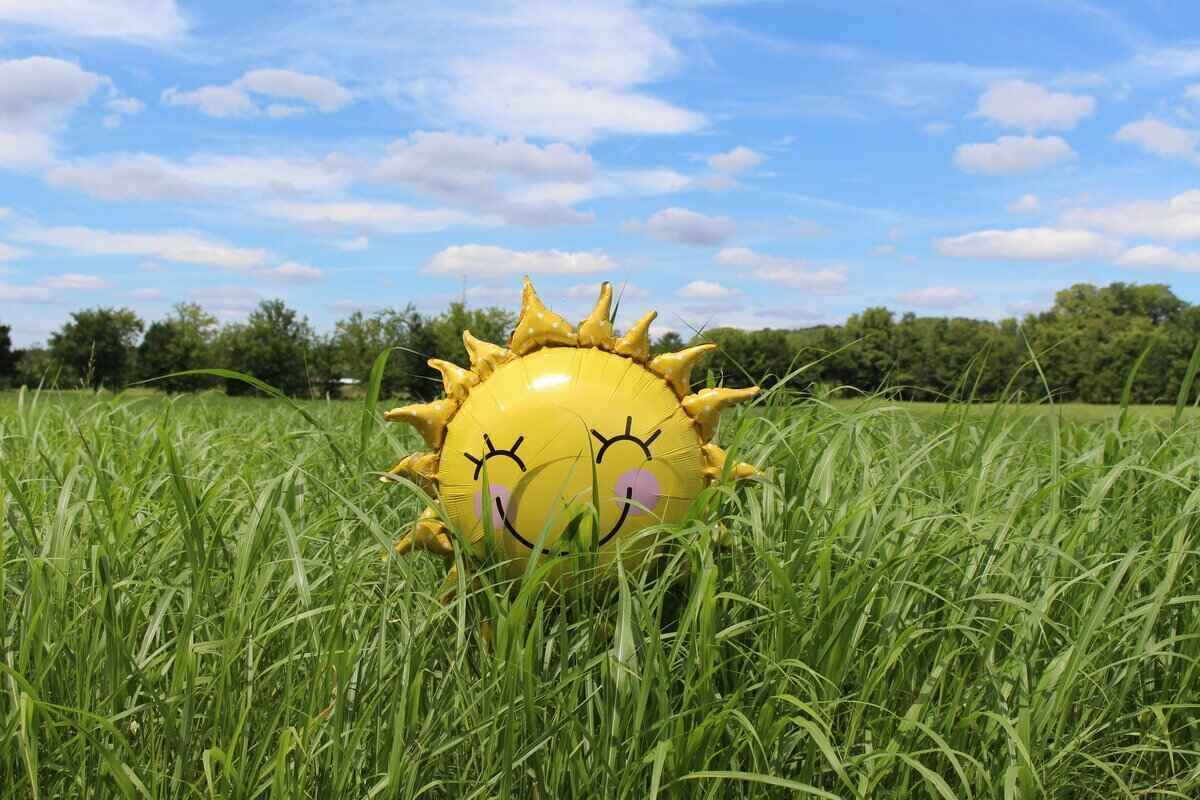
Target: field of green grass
{"type": "Point", "coordinates": [919, 603]}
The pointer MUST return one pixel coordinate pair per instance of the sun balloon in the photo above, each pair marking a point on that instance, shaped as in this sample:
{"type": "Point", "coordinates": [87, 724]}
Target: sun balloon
{"type": "Point", "coordinates": [564, 439]}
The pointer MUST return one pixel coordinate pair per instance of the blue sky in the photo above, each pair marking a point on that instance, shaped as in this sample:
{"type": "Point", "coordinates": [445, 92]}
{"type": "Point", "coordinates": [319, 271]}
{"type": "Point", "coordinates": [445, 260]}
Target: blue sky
{"type": "Point", "coordinates": [755, 164]}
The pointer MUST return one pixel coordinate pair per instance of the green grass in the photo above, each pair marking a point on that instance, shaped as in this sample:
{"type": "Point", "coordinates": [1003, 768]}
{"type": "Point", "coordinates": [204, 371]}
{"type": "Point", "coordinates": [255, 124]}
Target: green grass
{"type": "Point", "coordinates": [987, 603]}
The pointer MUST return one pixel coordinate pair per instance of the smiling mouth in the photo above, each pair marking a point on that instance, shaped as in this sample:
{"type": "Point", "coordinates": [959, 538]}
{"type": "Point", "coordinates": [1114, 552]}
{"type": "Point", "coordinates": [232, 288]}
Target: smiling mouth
{"type": "Point", "coordinates": [625, 506]}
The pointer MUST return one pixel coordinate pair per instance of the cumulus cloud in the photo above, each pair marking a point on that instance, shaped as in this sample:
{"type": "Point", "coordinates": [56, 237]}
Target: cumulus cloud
{"type": "Point", "coordinates": [1025, 204]}
{"type": "Point", "coordinates": [590, 291]}
{"type": "Point", "coordinates": [291, 272]}
{"type": "Point", "coordinates": [36, 96]}
{"type": "Point", "coordinates": [683, 226]}
{"type": "Point", "coordinates": [126, 105]}
{"type": "Point", "coordinates": [1029, 244]}
{"type": "Point", "coordinates": [384, 218]}
{"type": "Point", "coordinates": [75, 280]}
{"type": "Point", "coordinates": [154, 20]}
{"type": "Point", "coordinates": [1013, 155]}
{"type": "Point", "coordinates": [706, 290]}
{"type": "Point", "coordinates": [1029, 107]}
{"type": "Point", "coordinates": [794, 273]}
{"type": "Point", "coordinates": [1178, 218]}
{"type": "Point", "coordinates": [181, 247]}
{"type": "Point", "coordinates": [571, 73]}
{"type": "Point", "coordinates": [937, 297]}
{"type": "Point", "coordinates": [488, 261]}
{"type": "Point", "coordinates": [143, 176]}
{"type": "Point", "coordinates": [235, 99]}
{"type": "Point", "coordinates": [145, 295]}
{"type": "Point", "coordinates": [1160, 138]}
{"type": "Point", "coordinates": [736, 161]}
{"type": "Point", "coordinates": [10, 293]}
{"type": "Point", "coordinates": [1149, 256]}
{"type": "Point", "coordinates": [522, 182]}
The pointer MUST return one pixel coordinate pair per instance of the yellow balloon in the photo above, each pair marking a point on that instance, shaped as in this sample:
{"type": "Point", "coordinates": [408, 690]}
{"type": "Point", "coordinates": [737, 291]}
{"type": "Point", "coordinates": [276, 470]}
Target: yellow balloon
{"type": "Point", "coordinates": [565, 441]}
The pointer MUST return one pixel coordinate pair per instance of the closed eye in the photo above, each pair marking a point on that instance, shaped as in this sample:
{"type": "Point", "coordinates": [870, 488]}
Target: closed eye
{"type": "Point", "coordinates": [627, 436]}
{"type": "Point", "coordinates": [492, 452]}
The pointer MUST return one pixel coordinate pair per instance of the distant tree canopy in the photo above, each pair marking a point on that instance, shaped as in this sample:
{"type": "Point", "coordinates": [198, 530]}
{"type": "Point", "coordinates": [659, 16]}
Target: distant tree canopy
{"type": "Point", "coordinates": [97, 346]}
{"type": "Point", "coordinates": [1085, 346]}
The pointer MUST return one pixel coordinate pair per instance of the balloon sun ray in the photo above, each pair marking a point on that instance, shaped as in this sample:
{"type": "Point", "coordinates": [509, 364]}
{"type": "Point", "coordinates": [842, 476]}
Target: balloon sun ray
{"type": "Point", "coordinates": [505, 447]}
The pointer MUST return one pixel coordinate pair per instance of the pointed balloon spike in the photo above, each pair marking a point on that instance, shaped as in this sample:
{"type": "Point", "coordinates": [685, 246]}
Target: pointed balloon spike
{"type": "Point", "coordinates": [420, 468]}
{"type": "Point", "coordinates": [485, 356]}
{"type": "Point", "coordinates": [715, 458]}
{"type": "Point", "coordinates": [456, 380]}
{"type": "Point", "coordinates": [676, 368]}
{"type": "Point", "coordinates": [539, 326]}
{"type": "Point", "coordinates": [428, 533]}
{"type": "Point", "coordinates": [597, 330]}
{"type": "Point", "coordinates": [430, 419]}
{"type": "Point", "coordinates": [635, 343]}
{"type": "Point", "coordinates": [705, 406]}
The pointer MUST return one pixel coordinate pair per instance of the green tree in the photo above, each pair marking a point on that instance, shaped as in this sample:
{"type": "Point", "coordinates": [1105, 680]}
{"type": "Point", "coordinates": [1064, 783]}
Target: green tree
{"type": "Point", "coordinates": [275, 345]}
{"type": "Point", "coordinates": [8, 359]}
{"type": "Point", "coordinates": [97, 346]}
{"type": "Point", "coordinates": [669, 342]}
{"type": "Point", "coordinates": [182, 341]}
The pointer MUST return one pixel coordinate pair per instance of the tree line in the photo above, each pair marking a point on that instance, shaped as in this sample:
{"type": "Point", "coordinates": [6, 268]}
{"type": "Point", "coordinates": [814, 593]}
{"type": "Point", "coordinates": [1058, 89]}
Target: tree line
{"type": "Point", "coordinates": [1081, 349]}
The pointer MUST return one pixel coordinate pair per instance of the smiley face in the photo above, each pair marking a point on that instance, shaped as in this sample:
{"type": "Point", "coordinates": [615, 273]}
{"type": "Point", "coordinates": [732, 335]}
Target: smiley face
{"type": "Point", "coordinates": [548, 437]}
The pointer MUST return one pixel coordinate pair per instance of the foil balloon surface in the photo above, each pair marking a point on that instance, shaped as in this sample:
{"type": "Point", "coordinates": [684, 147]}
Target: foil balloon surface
{"type": "Point", "coordinates": [567, 440]}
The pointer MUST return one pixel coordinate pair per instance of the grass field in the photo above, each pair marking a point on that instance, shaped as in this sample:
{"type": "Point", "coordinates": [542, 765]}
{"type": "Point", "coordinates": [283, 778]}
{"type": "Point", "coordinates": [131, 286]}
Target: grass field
{"type": "Point", "coordinates": [945, 603]}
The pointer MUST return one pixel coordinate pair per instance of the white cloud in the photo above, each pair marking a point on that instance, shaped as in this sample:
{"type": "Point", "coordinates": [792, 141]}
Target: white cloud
{"type": "Point", "coordinates": [683, 226]}
{"type": "Point", "coordinates": [1025, 204]}
{"type": "Point", "coordinates": [1160, 138]}
{"type": "Point", "coordinates": [736, 161]}
{"type": "Point", "coordinates": [1012, 155]}
{"type": "Point", "coordinates": [326, 95]}
{"type": "Point", "coordinates": [215, 101]}
{"type": "Point", "coordinates": [291, 272]}
{"type": "Point", "coordinates": [937, 297]}
{"type": "Point", "coordinates": [522, 182]}
{"type": "Point", "coordinates": [10, 253]}
{"type": "Point", "coordinates": [75, 281]}
{"type": "Point", "coordinates": [36, 96]}
{"type": "Point", "coordinates": [156, 20]}
{"type": "Point", "coordinates": [146, 295]}
{"type": "Point", "coordinates": [488, 261]}
{"type": "Point", "coordinates": [10, 293]}
{"type": "Point", "coordinates": [1149, 256]}
{"type": "Point", "coordinates": [385, 218]}
{"type": "Point", "coordinates": [355, 245]}
{"type": "Point", "coordinates": [793, 273]}
{"type": "Point", "coordinates": [1029, 107]}
{"type": "Point", "coordinates": [227, 302]}
{"type": "Point", "coordinates": [143, 176]}
{"type": "Point", "coordinates": [1029, 244]}
{"type": "Point", "coordinates": [1177, 219]}
{"type": "Point", "coordinates": [570, 72]}
{"type": "Point", "coordinates": [935, 128]}
{"type": "Point", "coordinates": [126, 105]}
{"type": "Point", "coordinates": [182, 247]}
{"type": "Point", "coordinates": [706, 290]}
{"type": "Point", "coordinates": [234, 99]}
{"type": "Point", "coordinates": [1192, 92]}
{"type": "Point", "coordinates": [883, 250]}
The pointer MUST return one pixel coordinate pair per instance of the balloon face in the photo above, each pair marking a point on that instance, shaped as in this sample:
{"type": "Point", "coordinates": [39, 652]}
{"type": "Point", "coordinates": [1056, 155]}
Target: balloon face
{"type": "Point", "coordinates": [565, 441]}
{"type": "Point", "coordinates": [557, 433]}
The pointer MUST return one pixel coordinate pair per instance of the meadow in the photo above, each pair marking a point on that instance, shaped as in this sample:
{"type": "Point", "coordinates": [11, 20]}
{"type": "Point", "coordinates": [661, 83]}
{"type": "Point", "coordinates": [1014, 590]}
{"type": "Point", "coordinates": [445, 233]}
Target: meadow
{"type": "Point", "coordinates": [945, 602]}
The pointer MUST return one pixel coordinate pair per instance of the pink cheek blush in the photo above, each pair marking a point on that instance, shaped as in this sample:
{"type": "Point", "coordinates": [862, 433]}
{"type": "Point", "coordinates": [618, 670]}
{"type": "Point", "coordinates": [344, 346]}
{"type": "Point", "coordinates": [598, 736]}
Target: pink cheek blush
{"type": "Point", "coordinates": [645, 488]}
{"type": "Point", "coordinates": [498, 492]}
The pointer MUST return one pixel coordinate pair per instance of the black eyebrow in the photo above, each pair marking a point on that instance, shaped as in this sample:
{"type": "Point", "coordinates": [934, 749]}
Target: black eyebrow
{"type": "Point", "coordinates": [627, 436]}
{"type": "Point", "coordinates": [493, 451]}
